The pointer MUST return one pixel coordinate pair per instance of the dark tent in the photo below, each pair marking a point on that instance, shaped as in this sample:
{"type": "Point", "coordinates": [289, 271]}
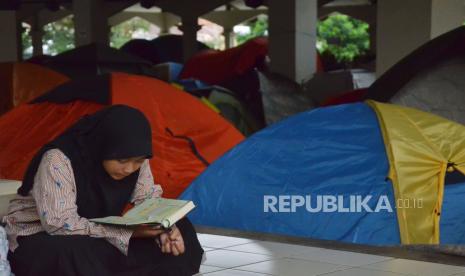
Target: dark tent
{"type": "Point", "coordinates": [142, 48]}
{"type": "Point", "coordinates": [40, 59]}
{"type": "Point", "coordinates": [430, 78]}
{"type": "Point", "coordinates": [247, 87]}
{"type": "Point", "coordinates": [234, 69]}
{"type": "Point", "coordinates": [282, 97]}
{"type": "Point", "coordinates": [166, 48]}
{"type": "Point", "coordinates": [225, 102]}
{"type": "Point", "coordinates": [97, 59]}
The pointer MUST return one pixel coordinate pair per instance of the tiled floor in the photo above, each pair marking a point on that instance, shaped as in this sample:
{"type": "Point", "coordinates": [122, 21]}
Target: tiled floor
{"type": "Point", "coordinates": [228, 256]}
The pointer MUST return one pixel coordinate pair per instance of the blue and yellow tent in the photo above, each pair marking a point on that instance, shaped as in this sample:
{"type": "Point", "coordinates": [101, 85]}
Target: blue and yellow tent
{"type": "Point", "coordinates": [356, 151]}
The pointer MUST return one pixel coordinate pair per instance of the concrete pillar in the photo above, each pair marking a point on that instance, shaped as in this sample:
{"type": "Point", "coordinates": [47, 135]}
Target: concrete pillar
{"type": "Point", "coordinates": [37, 33]}
{"type": "Point", "coordinates": [446, 15]}
{"type": "Point", "coordinates": [164, 29]}
{"type": "Point", "coordinates": [229, 37]}
{"type": "Point", "coordinates": [373, 38]}
{"type": "Point", "coordinates": [90, 22]}
{"type": "Point", "coordinates": [293, 25]}
{"type": "Point", "coordinates": [398, 34]}
{"type": "Point", "coordinates": [10, 33]}
{"type": "Point", "coordinates": [189, 30]}
{"type": "Point", "coordinates": [163, 25]}
{"type": "Point", "coordinates": [37, 45]}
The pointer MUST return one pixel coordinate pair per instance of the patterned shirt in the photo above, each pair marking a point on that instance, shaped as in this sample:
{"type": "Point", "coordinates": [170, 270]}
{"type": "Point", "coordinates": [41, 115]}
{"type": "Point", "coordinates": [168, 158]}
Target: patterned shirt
{"type": "Point", "coordinates": [51, 205]}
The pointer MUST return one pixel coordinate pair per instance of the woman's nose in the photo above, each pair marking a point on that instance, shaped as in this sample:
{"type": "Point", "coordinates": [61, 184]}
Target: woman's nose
{"type": "Point", "coordinates": [129, 168]}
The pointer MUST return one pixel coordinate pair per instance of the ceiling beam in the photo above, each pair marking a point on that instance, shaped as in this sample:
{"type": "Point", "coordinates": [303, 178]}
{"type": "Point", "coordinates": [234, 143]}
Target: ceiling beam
{"type": "Point", "coordinates": [365, 13]}
{"type": "Point", "coordinates": [321, 3]}
{"type": "Point", "coordinates": [112, 8]}
{"type": "Point", "coordinates": [233, 17]}
{"type": "Point", "coordinates": [190, 7]}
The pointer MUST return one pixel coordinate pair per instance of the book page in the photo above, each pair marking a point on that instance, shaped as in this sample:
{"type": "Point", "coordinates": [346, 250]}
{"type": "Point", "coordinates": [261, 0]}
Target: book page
{"type": "Point", "coordinates": [155, 209]}
{"type": "Point", "coordinates": [152, 211]}
{"type": "Point", "coordinates": [117, 220]}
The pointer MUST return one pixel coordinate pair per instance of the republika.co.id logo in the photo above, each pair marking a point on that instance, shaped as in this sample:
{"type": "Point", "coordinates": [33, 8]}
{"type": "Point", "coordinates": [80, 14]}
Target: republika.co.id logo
{"type": "Point", "coordinates": [332, 203]}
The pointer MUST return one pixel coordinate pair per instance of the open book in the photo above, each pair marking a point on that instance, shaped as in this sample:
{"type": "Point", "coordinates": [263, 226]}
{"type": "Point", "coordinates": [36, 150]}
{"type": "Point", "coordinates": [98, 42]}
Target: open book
{"type": "Point", "coordinates": [155, 211]}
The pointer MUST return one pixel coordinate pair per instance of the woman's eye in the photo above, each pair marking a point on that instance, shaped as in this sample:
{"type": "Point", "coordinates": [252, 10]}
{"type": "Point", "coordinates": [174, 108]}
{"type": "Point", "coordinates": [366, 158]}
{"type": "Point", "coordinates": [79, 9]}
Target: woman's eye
{"type": "Point", "coordinates": [122, 161]}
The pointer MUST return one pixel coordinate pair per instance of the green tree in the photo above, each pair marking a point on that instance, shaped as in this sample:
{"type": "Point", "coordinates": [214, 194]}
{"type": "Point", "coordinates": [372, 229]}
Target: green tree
{"type": "Point", "coordinates": [26, 40]}
{"type": "Point", "coordinates": [258, 27]}
{"type": "Point", "coordinates": [343, 37]}
{"type": "Point", "coordinates": [122, 33]}
{"type": "Point", "coordinates": [58, 36]}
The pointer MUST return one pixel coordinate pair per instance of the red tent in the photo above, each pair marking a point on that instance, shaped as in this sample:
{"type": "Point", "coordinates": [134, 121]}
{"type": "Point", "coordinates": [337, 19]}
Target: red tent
{"type": "Point", "coordinates": [353, 96]}
{"type": "Point", "coordinates": [21, 82]}
{"type": "Point", "coordinates": [216, 67]}
{"type": "Point", "coordinates": [187, 135]}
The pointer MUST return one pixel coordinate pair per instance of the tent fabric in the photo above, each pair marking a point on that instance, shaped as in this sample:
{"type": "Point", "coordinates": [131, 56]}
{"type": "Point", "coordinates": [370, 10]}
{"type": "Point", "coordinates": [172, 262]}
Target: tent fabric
{"type": "Point", "coordinates": [247, 88]}
{"type": "Point", "coordinates": [348, 97]}
{"type": "Point", "coordinates": [231, 108]}
{"type": "Point", "coordinates": [418, 169]}
{"type": "Point", "coordinates": [142, 48]}
{"type": "Point", "coordinates": [327, 151]}
{"type": "Point", "coordinates": [90, 89]}
{"type": "Point", "coordinates": [168, 71]}
{"type": "Point", "coordinates": [22, 82]}
{"type": "Point", "coordinates": [452, 222]}
{"type": "Point", "coordinates": [429, 79]}
{"type": "Point", "coordinates": [165, 48]}
{"type": "Point", "coordinates": [219, 67]}
{"type": "Point", "coordinates": [234, 69]}
{"type": "Point", "coordinates": [340, 151]}
{"type": "Point", "coordinates": [443, 47]}
{"type": "Point", "coordinates": [26, 128]}
{"type": "Point", "coordinates": [226, 102]}
{"type": "Point", "coordinates": [170, 48]}
{"type": "Point", "coordinates": [174, 116]}
{"type": "Point", "coordinates": [95, 59]}
{"type": "Point", "coordinates": [438, 90]}
{"type": "Point", "coordinates": [39, 59]}
{"type": "Point", "coordinates": [191, 84]}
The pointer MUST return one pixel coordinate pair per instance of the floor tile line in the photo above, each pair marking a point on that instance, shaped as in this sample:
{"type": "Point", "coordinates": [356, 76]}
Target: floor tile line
{"type": "Point", "coordinates": [222, 269]}
{"type": "Point", "coordinates": [345, 266]}
{"type": "Point", "coordinates": [321, 262]}
{"type": "Point", "coordinates": [334, 263]}
{"type": "Point", "coordinates": [405, 273]}
{"type": "Point", "coordinates": [237, 267]}
{"type": "Point", "coordinates": [232, 267]}
{"type": "Point", "coordinates": [241, 251]}
{"type": "Point", "coordinates": [226, 246]}
{"type": "Point", "coordinates": [342, 269]}
{"type": "Point", "coordinates": [398, 273]}
{"type": "Point", "coordinates": [302, 258]}
{"type": "Point", "coordinates": [387, 260]}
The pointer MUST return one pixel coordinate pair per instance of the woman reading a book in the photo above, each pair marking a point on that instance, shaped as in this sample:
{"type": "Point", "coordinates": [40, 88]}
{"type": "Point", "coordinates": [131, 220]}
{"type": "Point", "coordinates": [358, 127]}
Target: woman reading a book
{"type": "Point", "coordinates": [94, 169]}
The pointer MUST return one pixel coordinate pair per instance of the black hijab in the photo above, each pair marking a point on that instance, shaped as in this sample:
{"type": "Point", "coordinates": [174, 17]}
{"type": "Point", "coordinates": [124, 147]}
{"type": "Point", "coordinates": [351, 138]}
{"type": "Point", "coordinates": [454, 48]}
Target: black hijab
{"type": "Point", "coordinates": [115, 132]}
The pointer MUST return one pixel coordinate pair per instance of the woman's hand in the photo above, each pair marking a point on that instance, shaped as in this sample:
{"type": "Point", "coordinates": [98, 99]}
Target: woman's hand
{"type": "Point", "coordinates": [145, 231]}
{"type": "Point", "coordinates": [172, 242]}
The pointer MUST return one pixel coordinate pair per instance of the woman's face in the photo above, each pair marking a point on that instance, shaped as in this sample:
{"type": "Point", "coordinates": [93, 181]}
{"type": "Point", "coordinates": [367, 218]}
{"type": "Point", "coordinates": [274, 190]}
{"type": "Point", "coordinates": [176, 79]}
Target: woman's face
{"type": "Point", "coordinates": [120, 168]}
